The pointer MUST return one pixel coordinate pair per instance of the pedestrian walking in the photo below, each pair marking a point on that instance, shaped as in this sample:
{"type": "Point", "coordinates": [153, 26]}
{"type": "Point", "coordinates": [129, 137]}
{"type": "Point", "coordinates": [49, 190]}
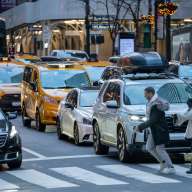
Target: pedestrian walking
{"type": "Point", "coordinates": [180, 119]}
{"type": "Point", "coordinates": [158, 135]}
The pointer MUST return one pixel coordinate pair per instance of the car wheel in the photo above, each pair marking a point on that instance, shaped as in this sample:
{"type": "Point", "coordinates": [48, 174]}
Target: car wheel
{"type": "Point", "coordinates": [76, 134]}
{"type": "Point", "coordinates": [59, 133]}
{"type": "Point", "coordinates": [100, 149]}
{"type": "Point", "coordinates": [39, 125]}
{"type": "Point", "coordinates": [121, 146]}
{"type": "Point", "coordinates": [26, 122]}
{"type": "Point", "coordinates": [15, 164]}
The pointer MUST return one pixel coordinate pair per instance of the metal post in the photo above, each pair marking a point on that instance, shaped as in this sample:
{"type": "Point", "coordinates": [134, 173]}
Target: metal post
{"type": "Point", "coordinates": [87, 23]}
{"type": "Point", "coordinates": [168, 38]}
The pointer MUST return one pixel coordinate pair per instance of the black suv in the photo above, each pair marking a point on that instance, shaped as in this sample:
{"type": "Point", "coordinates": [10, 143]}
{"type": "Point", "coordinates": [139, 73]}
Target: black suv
{"type": "Point", "coordinates": [10, 142]}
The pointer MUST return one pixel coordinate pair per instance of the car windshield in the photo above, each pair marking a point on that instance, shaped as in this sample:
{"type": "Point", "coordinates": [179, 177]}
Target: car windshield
{"type": "Point", "coordinates": [58, 79]}
{"type": "Point", "coordinates": [95, 73]}
{"type": "Point", "coordinates": [11, 75]}
{"type": "Point", "coordinates": [185, 71]}
{"type": "Point", "coordinates": [88, 98]}
{"type": "Point", "coordinates": [174, 93]}
{"type": "Point", "coordinates": [28, 61]}
{"type": "Point", "coordinates": [79, 55]}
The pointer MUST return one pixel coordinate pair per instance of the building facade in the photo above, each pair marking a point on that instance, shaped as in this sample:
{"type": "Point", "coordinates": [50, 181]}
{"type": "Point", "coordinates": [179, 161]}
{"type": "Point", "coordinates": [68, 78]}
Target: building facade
{"type": "Point", "coordinates": [39, 26]}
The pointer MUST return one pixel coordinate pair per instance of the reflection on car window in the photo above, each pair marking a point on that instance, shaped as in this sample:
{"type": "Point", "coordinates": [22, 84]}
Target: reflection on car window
{"type": "Point", "coordinates": [72, 98]}
{"type": "Point", "coordinates": [172, 92]}
{"type": "Point", "coordinates": [64, 79]}
{"type": "Point", "coordinates": [112, 93]}
{"type": "Point", "coordinates": [88, 98]}
{"type": "Point", "coordinates": [11, 75]}
{"type": "Point", "coordinates": [95, 73]}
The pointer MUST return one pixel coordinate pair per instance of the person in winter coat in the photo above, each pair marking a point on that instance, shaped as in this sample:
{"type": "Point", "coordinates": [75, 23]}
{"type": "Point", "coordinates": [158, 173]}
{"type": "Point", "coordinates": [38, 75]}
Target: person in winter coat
{"type": "Point", "coordinates": [183, 117]}
{"type": "Point", "coordinates": [158, 135]}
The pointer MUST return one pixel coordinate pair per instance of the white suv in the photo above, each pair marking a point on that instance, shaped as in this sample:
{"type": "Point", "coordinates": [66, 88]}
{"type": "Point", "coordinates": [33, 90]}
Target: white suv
{"type": "Point", "coordinates": [121, 106]}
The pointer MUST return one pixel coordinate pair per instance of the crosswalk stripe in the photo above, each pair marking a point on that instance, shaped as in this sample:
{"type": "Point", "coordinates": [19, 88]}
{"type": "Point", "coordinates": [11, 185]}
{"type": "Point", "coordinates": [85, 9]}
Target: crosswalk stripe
{"type": "Point", "coordinates": [87, 176]}
{"type": "Point", "coordinates": [180, 171]}
{"type": "Point", "coordinates": [128, 172]}
{"type": "Point", "coordinates": [41, 179]}
{"type": "Point", "coordinates": [4, 185]}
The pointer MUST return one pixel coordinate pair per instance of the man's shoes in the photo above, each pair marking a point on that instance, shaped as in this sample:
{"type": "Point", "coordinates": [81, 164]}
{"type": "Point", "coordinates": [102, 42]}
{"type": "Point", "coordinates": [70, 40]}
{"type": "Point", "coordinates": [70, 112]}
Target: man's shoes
{"type": "Point", "coordinates": [169, 171]}
{"type": "Point", "coordinates": [162, 167]}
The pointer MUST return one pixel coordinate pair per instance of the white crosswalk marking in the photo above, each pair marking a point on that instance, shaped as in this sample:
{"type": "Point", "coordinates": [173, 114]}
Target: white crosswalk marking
{"type": "Point", "coordinates": [87, 176]}
{"type": "Point", "coordinates": [4, 185]}
{"type": "Point", "coordinates": [180, 171]}
{"type": "Point", "coordinates": [37, 178]}
{"type": "Point", "coordinates": [136, 174]}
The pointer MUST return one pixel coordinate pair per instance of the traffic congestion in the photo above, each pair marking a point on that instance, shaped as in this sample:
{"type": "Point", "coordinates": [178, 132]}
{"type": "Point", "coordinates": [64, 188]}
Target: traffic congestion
{"type": "Point", "coordinates": [93, 101]}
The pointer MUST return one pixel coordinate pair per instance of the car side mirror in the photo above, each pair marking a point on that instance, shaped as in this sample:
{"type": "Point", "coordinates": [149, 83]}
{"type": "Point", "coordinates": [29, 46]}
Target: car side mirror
{"type": "Point", "coordinates": [112, 104]}
{"type": "Point", "coordinates": [69, 106]}
{"type": "Point", "coordinates": [11, 116]}
{"type": "Point", "coordinates": [34, 86]}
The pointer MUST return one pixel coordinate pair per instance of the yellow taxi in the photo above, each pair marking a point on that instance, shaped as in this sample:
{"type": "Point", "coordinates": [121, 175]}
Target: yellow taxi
{"type": "Point", "coordinates": [43, 88]}
{"type": "Point", "coordinates": [25, 59]}
{"type": "Point", "coordinates": [11, 76]}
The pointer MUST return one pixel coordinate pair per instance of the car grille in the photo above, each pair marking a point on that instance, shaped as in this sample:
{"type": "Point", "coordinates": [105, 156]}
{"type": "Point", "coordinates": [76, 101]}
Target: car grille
{"type": "Point", "coordinates": [3, 139]}
{"type": "Point", "coordinates": [175, 129]}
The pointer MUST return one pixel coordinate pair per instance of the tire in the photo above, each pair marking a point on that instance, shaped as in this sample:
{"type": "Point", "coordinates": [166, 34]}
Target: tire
{"type": "Point", "coordinates": [59, 133]}
{"type": "Point", "coordinates": [25, 120]}
{"type": "Point", "coordinates": [15, 164]}
{"type": "Point", "coordinates": [121, 146]}
{"type": "Point", "coordinates": [39, 126]}
{"type": "Point", "coordinates": [100, 149]}
{"type": "Point", "coordinates": [76, 134]}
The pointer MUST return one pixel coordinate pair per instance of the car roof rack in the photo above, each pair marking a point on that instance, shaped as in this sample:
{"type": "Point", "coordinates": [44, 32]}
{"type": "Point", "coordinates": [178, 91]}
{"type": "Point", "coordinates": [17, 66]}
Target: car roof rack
{"type": "Point", "coordinates": [145, 76]}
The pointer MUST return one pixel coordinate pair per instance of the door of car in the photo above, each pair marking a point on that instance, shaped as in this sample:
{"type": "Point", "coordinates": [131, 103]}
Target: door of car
{"type": "Point", "coordinates": [26, 92]}
{"type": "Point", "coordinates": [34, 92]}
{"type": "Point", "coordinates": [67, 119]}
{"type": "Point", "coordinates": [111, 114]}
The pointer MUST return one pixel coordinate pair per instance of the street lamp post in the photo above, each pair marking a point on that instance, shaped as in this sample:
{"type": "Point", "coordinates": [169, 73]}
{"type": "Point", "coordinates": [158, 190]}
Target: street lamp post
{"type": "Point", "coordinates": [87, 23]}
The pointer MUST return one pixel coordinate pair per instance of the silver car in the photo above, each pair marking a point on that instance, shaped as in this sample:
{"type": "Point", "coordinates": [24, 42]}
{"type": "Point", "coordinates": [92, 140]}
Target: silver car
{"type": "Point", "coordinates": [75, 115]}
{"type": "Point", "coordinates": [121, 106]}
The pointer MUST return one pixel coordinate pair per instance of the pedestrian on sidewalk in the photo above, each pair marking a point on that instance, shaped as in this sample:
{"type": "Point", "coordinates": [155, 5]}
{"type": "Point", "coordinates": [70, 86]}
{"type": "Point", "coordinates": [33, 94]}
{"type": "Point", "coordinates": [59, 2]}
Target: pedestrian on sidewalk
{"type": "Point", "coordinates": [180, 118]}
{"type": "Point", "coordinates": [158, 134]}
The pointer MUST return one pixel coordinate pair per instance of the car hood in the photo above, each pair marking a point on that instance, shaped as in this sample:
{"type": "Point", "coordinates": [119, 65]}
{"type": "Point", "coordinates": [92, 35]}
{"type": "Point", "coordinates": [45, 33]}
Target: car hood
{"type": "Point", "coordinates": [85, 111]}
{"type": "Point", "coordinates": [58, 93]}
{"type": "Point", "coordinates": [141, 109]}
{"type": "Point", "coordinates": [10, 88]}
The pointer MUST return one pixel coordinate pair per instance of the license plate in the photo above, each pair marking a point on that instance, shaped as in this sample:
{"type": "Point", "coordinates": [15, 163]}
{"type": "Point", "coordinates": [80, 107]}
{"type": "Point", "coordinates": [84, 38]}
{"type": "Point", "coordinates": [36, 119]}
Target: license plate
{"type": "Point", "coordinates": [16, 104]}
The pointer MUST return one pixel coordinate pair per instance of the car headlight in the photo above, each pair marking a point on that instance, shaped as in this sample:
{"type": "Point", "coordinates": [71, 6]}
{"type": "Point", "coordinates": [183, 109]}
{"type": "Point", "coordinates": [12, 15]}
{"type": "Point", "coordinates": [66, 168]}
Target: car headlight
{"type": "Point", "coordinates": [87, 121]}
{"type": "Point", "coordinates": [13, 132]}
{"type": "Point", "coordinates": [137, 118]}
{"type": "Point", "coordinates": [50, 100]}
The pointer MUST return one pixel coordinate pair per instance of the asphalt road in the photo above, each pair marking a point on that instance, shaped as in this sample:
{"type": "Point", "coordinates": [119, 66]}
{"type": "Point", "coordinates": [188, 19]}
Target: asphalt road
{"type": "Point", "coordinates": [53, 165]}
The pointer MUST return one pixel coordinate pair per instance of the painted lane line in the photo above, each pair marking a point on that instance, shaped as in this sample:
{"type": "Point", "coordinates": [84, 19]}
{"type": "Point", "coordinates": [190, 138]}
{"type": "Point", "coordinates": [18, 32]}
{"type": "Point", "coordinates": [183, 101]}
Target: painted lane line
{"type": "Point", "coordinates": [87, 176]}
{"type": "Point", "coordinates": [4, 185]}
{"type": "Point", "coordinates": [63, 157]}
{"type": "Point", "coordinates": [180, 171]}
{"type": "Point", "coordinates": [136, 174]}
{"type": "Point", "coordinates": [33, 152]}
{"type": "Point", "coordinates": [41, 179]}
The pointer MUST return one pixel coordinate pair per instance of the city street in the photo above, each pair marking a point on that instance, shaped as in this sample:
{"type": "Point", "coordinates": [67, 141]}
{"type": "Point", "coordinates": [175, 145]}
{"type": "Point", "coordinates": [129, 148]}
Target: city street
{"type": "Point", "coordinates": [53, 165]}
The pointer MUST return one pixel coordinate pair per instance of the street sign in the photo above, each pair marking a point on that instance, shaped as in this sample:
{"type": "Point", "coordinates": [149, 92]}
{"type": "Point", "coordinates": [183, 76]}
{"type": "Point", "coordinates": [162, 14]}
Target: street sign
{"type": "Point", "coordinates": [126, 43]}
{"type": "Point", "coordinates": [46, 34]}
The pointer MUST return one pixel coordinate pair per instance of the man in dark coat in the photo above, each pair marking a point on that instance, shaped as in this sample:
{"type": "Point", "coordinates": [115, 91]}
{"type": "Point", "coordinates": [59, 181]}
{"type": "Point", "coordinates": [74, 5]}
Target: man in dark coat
{"type": "Point", "coordinates": [157, 127]}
